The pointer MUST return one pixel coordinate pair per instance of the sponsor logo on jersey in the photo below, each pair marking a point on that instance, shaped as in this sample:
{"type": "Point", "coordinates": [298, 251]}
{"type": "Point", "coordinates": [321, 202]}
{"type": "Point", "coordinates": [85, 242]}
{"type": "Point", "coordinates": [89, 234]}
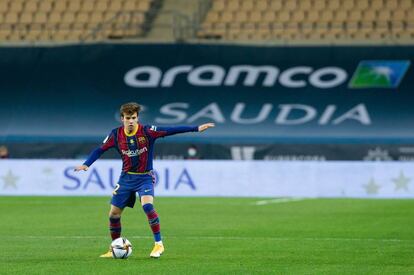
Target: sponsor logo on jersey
{"type": "Point", "coordinates": [134, 153]}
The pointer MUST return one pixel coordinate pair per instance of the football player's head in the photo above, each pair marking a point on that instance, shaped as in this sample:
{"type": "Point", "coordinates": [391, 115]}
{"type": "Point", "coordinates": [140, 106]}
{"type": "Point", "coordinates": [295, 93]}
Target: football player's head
{"type": "Point", "coordinates": [129, 114]}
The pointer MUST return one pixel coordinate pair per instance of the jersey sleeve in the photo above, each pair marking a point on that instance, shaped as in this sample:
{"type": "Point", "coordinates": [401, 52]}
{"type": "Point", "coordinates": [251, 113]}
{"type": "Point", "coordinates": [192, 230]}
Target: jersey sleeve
{"type": "Point", "coordinates": [108, 143]}
{"type": "Point", "coordinates": [156, 132]}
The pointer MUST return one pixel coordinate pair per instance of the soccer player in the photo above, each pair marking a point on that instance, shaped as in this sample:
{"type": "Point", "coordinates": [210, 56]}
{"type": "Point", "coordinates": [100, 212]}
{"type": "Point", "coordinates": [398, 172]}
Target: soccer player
{"type": "Point", "coordinates": [135, 143]}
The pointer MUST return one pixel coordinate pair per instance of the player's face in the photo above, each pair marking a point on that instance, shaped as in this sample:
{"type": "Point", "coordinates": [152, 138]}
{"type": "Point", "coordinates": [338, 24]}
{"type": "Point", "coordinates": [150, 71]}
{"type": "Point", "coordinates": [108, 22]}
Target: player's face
{"type": "Point", "coordinates": [130, 121]}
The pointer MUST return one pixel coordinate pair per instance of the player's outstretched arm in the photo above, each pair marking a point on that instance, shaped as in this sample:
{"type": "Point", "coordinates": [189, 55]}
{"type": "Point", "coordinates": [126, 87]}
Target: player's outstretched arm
{"type": "Point", "coordinates": [205, 126]}
{"type": "Point", "coordinates": [82, 167]}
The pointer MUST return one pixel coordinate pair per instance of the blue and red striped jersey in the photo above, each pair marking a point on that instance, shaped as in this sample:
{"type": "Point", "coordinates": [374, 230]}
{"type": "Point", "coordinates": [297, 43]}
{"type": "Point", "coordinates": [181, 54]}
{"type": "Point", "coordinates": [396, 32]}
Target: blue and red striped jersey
{"type": "Point", "coordinates": [136, 149]}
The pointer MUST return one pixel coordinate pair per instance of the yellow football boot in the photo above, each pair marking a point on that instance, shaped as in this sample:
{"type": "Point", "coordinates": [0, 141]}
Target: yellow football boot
{"type": "Point", "coordinates": [107, 254]}
{"type": "Point", "coordinates": [157, 250]}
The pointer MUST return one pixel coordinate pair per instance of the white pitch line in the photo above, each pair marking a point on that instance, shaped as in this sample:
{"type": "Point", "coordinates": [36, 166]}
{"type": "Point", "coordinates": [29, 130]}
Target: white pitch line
{"type": "Point", "coordinates": [279, 200]}
{"type": "Point", "coordinates": [317, 239]}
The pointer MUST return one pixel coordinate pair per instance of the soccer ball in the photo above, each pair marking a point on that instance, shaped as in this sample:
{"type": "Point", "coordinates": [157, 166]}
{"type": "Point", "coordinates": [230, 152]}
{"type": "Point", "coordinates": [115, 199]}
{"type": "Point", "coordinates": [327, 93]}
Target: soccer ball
{"type": "Point", "coordinates": [121, 248]}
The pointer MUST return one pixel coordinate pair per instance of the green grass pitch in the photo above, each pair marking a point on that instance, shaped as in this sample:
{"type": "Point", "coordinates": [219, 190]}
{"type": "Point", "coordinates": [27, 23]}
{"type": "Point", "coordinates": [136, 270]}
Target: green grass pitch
{"type": "Point", "coordinates": [65, 235]}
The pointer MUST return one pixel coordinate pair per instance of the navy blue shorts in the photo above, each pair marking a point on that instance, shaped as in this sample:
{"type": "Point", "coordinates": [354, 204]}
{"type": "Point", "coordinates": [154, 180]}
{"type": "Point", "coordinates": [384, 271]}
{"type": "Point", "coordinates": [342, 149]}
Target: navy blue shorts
{"type": "Point", "coordinates": [125, 191]}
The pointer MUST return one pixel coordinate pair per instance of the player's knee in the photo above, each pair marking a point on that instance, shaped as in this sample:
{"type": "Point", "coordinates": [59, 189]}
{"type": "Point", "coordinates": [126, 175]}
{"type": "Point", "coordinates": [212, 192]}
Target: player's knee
{"type": "Point", "coordinates": [113, 213]}
{"type": "Point", "coordinates": [114, 216]}
{"type": "Point", "coordinates": [148, 207]}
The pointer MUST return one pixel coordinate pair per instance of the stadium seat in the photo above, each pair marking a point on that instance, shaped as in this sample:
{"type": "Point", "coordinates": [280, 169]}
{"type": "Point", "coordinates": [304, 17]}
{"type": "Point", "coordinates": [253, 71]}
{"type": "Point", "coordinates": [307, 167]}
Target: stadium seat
{"type": "Point", "coordinates": [54, 19]}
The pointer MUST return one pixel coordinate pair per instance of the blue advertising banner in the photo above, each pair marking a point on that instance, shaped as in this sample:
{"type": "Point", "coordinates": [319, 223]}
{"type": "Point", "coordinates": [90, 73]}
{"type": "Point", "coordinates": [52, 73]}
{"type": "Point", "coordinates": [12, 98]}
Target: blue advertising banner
{"type": "Point", "coordinates": [253, 94]}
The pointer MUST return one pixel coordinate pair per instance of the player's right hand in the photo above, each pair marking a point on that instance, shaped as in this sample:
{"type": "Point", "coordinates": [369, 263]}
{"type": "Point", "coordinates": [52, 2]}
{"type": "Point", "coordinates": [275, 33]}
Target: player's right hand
{"type": "Point", "coordinates": [205, 126]}
{"type": "Point", "coordinates": [81, 167]}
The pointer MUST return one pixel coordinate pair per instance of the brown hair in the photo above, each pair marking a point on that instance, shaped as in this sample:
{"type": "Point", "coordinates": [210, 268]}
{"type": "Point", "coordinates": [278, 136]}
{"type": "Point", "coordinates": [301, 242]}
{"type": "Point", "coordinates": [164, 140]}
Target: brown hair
{"type": "Point", "coordinates": [129, 108]}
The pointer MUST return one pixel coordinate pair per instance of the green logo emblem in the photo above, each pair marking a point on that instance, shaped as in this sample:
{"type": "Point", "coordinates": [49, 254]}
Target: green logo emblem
{"type": "Point", "coordinates": [379, 74]}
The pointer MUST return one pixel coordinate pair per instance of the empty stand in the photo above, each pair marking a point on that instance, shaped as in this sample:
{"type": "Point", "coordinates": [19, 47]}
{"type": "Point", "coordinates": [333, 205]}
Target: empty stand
{"type": "Point", "coordinates": [73, 20]}
{"type": "Point", "coordinates": [330, 20]}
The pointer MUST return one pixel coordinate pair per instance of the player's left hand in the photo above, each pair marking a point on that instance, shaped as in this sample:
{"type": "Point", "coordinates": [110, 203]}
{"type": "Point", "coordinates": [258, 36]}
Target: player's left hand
{"type": "Point", "coordinates": [82, 167]}
{"type": "Point", "coordinates": [205, 126]}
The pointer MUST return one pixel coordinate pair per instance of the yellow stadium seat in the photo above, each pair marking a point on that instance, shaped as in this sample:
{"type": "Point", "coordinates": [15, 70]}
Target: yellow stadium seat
{"type": "Point", "coordinates": [30, 6]}
{"type": "Point", "coordinates": [14, 37]}
{"type": "Point", "coordinates": [384, 15]}
{"type": "Point", "coordinates": [4, 6]}
{"type": "Point", "coordinates": [4, 34]}
{"type": "Point", "coordinates": [40, 18]}
{"type": "Point", "coordinates": [255, 16]}
{"type": "Point", "coordinates": [283, 16]}
{"type": "Point", "coordinates": [96, 17]}
{"type": "Point", "coordinates": [61, 6]}
{"type": "Point", "coordinates": [89, 6]}
{"type": "Point", "coordinates": [212, 16]}
{"type": "Point", "coordinates": [247, 5]}
{"type": "Point", "coordinates": [218, 5]}
{"type": "Point", "coordinates": [397, 27]}
{"type": "Point", "coordinates": [109, 15]}
{"type": "Point", "coordinates": [115, 6]}
{"type": "Point", "coordinates": [45, 6]}
{"type": "Point", "coordinates": [129, 5]}
{"type": "Point", "coordinates": [382, 27]}
{"type": "Point", "coordinates": [326, 16]}
{"type": "Point", "coordinates": [240, 16]}
{"type": "Point", "coordinates": [351, 27]}
{"type": "Point", "coordinates": [74, 6]}
{"type": "Point", "coordinates": [226, 17]}
{"type": "Point", "coordinates": [68, 17]}
{"type": "Point", "coordinates": [99, 6]}
{"type": "Point", "coordinates": [406, 4]}
{"type": "Point", "coordinates": [347, 4]}
{"type": "Point", "coordinates": [82, 17]}
{"type": "Point", "coordinates": [333, 4]}
{"type": "Point", "coordinates": [235, 26]}
{"type": "Point", "coordinates": [16, 6]}
{"type": "Point", "coordinates": [233, 5]}
{"type": "Point", "coordinates": [369, 15]}
{"type": "Point", "coordinates": [377, 4]}
{"type": "Point", "coordinates": [55, 18]}
{"type": "Point", "coordinates": [391, 5]}
{"type": "Point", "coordinates": [362, 5]}
{"type": "Point", "coordinates": [143, 6]}
{"type": "Point", "coordinates": [304, 5]}
{"type": "Point", "coordinates": [33, 35]}
{"type": "Point", "coordinates": [298, 16]}
{"type": "Point", "coordinates": [409, 16]}
{"type": "Point", "coordinates": [367, 27]}
{"type": "Point", "coordinates": [269, 16]}
{"type": "Point", "coordinates": [340, 16]}
{"type": "Point", "coordinates": [261, 5]}
{"type": "Point", "coordinates": [398, 15]}
{"type": "Point", "coordinates": [291, 5]}
{"type": "Point", "coordinates": [355, 15]}
{"type": "Point", "coordinates": [319, 5]}
{"type": "Point", "coordinates": [312, 16]}
{"type": "Point", "coordinates": [26, 18]}
{"type": "Point", "coordinates": [11, 18]}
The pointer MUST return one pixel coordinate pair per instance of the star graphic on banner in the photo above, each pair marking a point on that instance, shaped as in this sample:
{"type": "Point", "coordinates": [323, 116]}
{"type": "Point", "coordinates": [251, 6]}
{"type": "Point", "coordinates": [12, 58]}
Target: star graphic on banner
{"type": "Point", "coordinates": [10, 180]}
{"type": "Point", "coordinates": [401, 182]}
{"type": "Point", "coordinates": [371, 187]}
{"type": "Point", "coordinates": [47, 170]}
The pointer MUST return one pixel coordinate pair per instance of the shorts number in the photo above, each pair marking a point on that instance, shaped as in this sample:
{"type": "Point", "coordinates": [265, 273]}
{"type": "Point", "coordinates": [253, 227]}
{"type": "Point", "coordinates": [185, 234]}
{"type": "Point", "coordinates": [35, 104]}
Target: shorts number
{"type": "Point", "coordinates": [116, 189]}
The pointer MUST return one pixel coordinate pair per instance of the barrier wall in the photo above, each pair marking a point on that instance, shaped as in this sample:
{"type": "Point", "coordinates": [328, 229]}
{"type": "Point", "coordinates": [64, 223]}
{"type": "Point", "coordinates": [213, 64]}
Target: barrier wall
{"type": "Point", "coordinates": [216, 178]}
